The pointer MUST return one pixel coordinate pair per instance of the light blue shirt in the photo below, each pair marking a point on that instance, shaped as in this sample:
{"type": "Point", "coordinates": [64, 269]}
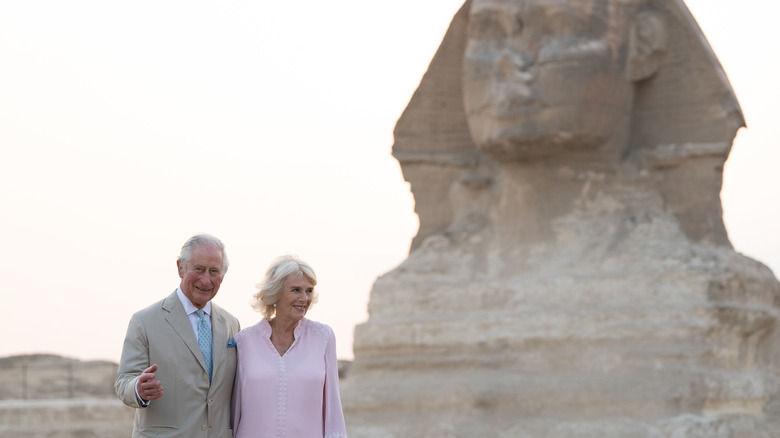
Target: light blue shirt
{"type": "Point", "coordinates": [190, 309]}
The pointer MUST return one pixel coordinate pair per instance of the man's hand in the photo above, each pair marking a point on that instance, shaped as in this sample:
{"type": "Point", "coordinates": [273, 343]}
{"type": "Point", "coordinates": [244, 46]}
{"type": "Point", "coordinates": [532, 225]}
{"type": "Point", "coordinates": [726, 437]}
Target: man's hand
{"type": "Point", "coordinates": [148, 388]}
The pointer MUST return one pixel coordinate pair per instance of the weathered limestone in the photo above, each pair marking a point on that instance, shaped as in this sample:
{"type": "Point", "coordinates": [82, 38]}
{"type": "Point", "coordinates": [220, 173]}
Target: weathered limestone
{"type": "Point", "coordinates": [572, 275]}
{"type": "Point", "coordinates": [43, 395]}
{"type": "Point", "coordinates": [47, 376]}
{"type": "Point", "coordinates": [65, 418]}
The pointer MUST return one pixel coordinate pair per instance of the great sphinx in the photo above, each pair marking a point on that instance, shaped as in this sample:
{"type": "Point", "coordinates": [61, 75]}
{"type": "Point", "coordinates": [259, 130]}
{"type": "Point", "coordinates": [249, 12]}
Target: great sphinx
{"type": "Point", "coordinates": [572, 275]}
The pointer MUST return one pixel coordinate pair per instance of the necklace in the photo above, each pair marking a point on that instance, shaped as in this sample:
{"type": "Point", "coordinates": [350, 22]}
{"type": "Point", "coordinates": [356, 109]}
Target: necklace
{"type": "Point", "coordinates": [279, 348]}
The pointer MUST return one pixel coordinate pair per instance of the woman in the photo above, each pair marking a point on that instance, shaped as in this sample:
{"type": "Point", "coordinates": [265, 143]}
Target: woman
{"type": "Point", "coordinates": [287, 382]}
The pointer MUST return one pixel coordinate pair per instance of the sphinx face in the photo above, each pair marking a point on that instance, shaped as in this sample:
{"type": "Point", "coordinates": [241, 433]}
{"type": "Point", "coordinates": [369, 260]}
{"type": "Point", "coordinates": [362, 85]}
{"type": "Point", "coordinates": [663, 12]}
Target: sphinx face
{"type": "Point", "coordinates": [545, 77]}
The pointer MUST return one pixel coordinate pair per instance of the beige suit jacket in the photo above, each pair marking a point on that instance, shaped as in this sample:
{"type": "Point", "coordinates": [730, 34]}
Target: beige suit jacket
{"type": "Point", "coordinates": [190, 407]}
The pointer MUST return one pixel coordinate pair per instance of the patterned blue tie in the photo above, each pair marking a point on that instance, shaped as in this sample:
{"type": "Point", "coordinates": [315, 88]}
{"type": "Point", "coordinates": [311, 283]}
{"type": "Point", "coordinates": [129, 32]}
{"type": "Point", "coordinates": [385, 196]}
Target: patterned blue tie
{"type": "Point", "coordinates": [204, 340]}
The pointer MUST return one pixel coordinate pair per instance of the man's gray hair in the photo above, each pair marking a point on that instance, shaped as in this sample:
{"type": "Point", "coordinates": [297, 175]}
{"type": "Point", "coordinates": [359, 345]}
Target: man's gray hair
{"type": "Point", "coordinates": [202, 240]}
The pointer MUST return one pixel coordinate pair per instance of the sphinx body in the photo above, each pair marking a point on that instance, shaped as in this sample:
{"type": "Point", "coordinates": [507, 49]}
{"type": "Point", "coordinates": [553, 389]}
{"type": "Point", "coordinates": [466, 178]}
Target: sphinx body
{"type": "Point", "coordinates": [572, 275]}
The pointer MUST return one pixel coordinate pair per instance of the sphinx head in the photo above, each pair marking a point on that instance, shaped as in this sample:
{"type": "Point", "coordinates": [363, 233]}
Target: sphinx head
{"type": "Point", "coordinates": [587, 82]}
{"type": "Point", "coordinates": [557, 77]}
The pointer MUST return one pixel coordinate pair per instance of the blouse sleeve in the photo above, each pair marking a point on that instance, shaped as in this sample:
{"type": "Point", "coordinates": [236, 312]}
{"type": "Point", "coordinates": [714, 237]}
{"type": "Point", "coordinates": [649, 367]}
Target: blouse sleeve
{"type": "Point", "coordinates": [332, 412]}
{"type": "Point", "coordinates": [235, 401]}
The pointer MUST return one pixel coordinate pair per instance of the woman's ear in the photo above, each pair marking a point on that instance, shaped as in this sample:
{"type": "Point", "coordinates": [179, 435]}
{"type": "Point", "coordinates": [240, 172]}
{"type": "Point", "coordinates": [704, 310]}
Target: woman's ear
{"type": "Point", "coordinates": [647, 46]}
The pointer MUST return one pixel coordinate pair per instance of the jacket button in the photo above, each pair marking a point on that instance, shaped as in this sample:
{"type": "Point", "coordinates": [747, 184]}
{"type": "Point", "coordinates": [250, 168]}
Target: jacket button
{"type": "Point", "coordinates": [204, 427]}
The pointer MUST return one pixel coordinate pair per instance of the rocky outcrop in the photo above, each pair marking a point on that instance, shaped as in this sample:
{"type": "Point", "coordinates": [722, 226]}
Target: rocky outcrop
{"type": "Point", "coordinates": [572, 275]}
{"type": "Point", "coordinates": [50, 396]}
{"type": "Point", "coordinates": [65, 418]}
{"type": "Point", "coordinates": [47, 376]}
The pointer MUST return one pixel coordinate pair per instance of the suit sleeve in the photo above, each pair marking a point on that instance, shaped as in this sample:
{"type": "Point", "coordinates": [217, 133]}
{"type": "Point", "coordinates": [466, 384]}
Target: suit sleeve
{"type": "Point", "coordinates": [332, 413]}
{"type": "Point", "coordinates": [135, 359]}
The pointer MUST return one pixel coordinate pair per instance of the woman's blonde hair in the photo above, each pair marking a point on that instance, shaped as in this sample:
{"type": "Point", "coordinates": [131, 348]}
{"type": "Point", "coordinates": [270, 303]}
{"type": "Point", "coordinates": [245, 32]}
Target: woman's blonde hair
{"type": "Point", "coordinates": [270, 289]}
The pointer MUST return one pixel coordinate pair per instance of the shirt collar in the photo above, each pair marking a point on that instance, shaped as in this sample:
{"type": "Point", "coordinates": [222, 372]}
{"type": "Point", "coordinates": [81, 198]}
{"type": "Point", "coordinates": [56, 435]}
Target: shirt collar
{"type": "Point", "coordinates": [266, 330]}
{"type": "Point", "coordinates": [190, 308]}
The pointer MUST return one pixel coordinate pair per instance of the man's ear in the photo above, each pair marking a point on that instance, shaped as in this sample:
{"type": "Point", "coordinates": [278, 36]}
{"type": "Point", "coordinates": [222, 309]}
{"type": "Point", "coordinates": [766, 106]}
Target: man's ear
{"type": "Point", "coordinates": [647, 46]}
{"type": "Point", "coordinates": [180, 268]}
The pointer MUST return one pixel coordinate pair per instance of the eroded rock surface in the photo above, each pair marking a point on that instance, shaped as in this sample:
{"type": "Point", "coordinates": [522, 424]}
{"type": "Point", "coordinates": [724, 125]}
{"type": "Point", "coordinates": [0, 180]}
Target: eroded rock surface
{"type": "Point", "coordinates": [572, 275]}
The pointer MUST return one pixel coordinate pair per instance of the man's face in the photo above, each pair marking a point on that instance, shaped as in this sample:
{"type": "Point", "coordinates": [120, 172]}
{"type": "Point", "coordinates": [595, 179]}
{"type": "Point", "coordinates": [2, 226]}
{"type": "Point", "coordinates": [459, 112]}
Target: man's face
{"type": "Point", "coordinates": [542, 76]}
{"type": "Point", "coordinates": [201, 278]}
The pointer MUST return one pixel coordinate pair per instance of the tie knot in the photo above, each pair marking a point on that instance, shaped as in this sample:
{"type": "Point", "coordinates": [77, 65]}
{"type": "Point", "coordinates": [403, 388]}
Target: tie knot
{"type": "Point", "coordinates": [200, 313]}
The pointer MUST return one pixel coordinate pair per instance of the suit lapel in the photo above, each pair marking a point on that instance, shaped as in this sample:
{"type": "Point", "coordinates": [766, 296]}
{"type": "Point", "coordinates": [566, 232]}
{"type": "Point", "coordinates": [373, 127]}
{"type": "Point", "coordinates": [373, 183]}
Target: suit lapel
{"type": "Point", "coordinates": [180, 323]}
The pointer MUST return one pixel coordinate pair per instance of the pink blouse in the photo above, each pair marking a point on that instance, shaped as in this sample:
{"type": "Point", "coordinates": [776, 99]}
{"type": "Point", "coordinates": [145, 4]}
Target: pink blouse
{"type": "Point", "coordinates": [295, 395]}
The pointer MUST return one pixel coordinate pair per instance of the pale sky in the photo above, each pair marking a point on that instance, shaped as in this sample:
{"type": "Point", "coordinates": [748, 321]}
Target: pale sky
{"type": "Point", "coordinates": [126, 128]}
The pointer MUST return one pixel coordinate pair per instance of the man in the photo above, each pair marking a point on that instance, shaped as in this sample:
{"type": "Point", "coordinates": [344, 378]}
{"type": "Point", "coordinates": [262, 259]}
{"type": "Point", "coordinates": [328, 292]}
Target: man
{"type": "Point", "coordinates": [178, 359]}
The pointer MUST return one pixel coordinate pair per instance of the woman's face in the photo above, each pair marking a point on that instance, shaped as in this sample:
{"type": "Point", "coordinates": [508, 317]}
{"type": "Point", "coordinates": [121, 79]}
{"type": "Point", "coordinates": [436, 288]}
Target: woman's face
{"type": "Point", "coordinates": [295, 298]}
{"type": "Point", "coordinates": [542, 76]}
